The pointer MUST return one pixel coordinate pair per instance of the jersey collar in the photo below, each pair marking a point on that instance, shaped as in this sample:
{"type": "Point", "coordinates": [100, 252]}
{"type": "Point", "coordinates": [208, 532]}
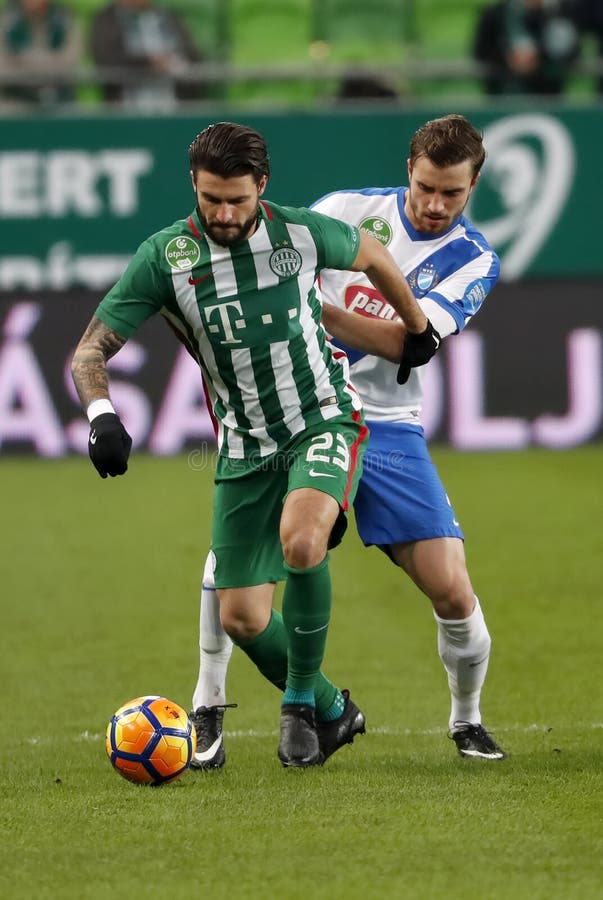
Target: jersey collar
{"type": "Point", "coordinates": [194, 223]}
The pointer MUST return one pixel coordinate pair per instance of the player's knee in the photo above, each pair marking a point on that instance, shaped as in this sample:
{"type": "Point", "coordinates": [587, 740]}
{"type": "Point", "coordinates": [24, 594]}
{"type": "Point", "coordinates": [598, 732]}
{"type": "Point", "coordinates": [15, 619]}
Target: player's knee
{"type": "Point", "coordinates": [241, 625]}
{"type": "Point", "coordinates": [304, 548]}
{"type": "Point", "coordinates": [452, 597]}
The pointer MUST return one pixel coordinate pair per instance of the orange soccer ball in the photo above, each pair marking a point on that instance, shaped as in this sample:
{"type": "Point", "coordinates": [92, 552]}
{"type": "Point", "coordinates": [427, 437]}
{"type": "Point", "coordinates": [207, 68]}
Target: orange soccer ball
{"type": "Point", "coordinates": [150, 740]}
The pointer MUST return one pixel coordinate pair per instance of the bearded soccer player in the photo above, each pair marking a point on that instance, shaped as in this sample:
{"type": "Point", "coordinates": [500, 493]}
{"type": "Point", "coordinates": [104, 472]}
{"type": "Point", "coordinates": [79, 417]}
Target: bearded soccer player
{"type": "Point", "coordinates": [402, 509]}
{"type": "Point", "coordinates": [236, 281]}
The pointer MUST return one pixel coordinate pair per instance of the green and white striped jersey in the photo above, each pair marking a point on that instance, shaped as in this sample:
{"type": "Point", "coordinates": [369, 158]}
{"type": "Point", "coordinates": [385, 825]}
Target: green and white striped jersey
{"type": "Point", "coordinates": [250, 315]}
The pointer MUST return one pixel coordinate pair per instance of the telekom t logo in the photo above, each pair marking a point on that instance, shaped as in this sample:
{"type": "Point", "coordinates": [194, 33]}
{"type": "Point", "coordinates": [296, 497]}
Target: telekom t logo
{"type": "Point", "coordinates": [226, 324]}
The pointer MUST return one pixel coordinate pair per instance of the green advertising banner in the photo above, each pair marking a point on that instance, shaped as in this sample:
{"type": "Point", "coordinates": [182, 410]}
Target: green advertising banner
{"type": "Point", "coordinates": [78, 195]}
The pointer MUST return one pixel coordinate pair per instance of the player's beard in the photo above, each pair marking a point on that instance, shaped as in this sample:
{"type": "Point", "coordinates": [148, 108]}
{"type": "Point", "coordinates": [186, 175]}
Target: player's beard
{"type": "Point", "coordinates": [230, 235]}
{"type": "Point", "coordinates": [434, 226]}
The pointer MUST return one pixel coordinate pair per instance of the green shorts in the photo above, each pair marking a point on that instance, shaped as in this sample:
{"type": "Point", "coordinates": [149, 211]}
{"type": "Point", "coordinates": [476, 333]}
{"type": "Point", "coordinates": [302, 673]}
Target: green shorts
{"type": "Point", "coordinates": [247, 509]}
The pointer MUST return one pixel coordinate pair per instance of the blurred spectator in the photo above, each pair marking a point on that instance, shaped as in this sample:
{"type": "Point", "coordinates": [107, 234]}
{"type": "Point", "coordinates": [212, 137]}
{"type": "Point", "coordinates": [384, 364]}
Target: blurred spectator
{"type": "Point", "coordinates": [153, 42]}
{"type": "Point", "coordinates": [38, 37]}
{"type": "Point", "coordinates": [362, 87]}
{"type": "Point", "coordinates": [529, 46]}
{"type": "Point", "coordinates": [588, 15]}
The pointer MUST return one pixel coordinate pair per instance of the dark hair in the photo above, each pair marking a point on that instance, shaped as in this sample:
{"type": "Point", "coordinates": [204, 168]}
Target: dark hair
{"type": "Point", "coordinates": [230, 150]}
{"type": "Point", "coordinates": [449, 141]}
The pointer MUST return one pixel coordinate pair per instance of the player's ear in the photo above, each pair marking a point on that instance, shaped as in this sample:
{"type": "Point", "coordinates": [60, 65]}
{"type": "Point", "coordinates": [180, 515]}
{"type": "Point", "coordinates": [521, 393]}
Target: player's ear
{"type": "Point", "coordinates": [409, 168]}
{"type": "Point", "coordinates": [262, 184]}
{"type": "Point", "coordinates": [193, 180]}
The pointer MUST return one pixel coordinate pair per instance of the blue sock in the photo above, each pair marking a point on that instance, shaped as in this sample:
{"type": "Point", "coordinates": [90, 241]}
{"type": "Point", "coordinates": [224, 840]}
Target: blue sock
{"type": "Point", "coordinates": [301, 697]}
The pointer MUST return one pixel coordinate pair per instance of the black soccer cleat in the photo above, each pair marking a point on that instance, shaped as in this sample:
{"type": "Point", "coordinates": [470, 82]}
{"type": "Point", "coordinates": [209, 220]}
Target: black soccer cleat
{"type": "Point", "coordinates": [474, 741]}
{"type": "Point", "coordinates": [208, 721]}
{"type": "Point", "coordinates": [333, 735]}
{"type": "Point", "coordinates": [298, 747]}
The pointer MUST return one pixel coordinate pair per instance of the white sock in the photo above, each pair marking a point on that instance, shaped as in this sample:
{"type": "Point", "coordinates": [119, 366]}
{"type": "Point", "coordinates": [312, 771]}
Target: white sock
{"type": "Point", "coordinates": [215, 647]}
{"type": "Point", "coordinates": [464, 648]}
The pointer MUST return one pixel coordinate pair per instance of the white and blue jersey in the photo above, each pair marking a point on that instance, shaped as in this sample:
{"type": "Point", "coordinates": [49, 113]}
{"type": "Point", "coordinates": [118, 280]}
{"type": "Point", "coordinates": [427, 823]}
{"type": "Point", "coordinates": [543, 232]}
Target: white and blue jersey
{"type": "Point", "coordinates": [450, 274]}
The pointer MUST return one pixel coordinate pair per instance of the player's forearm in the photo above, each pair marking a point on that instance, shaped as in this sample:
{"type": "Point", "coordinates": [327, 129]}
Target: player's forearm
{"type": "Point", "coordinates": [381, 270]}
{"type": "Point", "coordinates": [384, 339]}
{"type": "Point", "coordinates": [393, 286]}
{"type": "Point", "coordinates": [89, 373]}
{"type": "Point", "coordinates": [89, 364]}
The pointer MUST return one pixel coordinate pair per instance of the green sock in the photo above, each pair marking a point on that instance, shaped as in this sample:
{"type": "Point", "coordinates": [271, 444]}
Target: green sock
{"type": "Point", "coordinates": [268, 651]}
{"type": "Point", "coordinates": [306, 613]}
{"type": "Point", "coordinates": [335, 710]}
{"type": "Point", "coordinates": [325, 695]}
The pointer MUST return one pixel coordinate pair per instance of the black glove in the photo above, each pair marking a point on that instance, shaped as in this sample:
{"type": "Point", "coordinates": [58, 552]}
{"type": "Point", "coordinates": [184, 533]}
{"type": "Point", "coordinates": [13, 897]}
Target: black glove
{"type": "Point", "coordinates": [418, 350]}
{"type": "Point", "coordinates": [109, 445]}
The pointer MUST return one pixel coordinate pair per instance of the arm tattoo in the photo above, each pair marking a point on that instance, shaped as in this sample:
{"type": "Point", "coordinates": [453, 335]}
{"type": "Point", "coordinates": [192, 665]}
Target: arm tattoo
{"type": "Point", "coordinates": [89, 365]}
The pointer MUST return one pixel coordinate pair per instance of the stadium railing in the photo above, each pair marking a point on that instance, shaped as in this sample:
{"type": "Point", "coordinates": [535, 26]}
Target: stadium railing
{"type": "Point", "coordinates": [213, 73]}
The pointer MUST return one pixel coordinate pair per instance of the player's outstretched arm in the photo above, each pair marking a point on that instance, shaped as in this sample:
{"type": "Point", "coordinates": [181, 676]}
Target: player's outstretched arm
{"type": "Point", "coordinates": [109, 443]}
{"type": "Point", "coordinates": [422, 340]}
{"type": "Point", "coordinates": [374, 336]}
{"type": "Point", "coordinates": [381, 270]}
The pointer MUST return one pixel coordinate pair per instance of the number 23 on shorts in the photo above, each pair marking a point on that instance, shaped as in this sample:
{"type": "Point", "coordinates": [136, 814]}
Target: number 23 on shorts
{"type": "Point", "coordinates": [325, 451]}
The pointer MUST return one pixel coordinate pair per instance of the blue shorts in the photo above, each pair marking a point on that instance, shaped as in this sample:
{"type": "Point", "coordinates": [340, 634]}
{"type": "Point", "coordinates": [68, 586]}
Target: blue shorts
{"type": "Point", "coordinates": [400, 496]}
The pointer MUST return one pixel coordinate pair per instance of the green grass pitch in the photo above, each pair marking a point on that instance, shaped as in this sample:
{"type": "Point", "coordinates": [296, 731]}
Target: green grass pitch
{"type": "Point", "coordinates": [100, 604]}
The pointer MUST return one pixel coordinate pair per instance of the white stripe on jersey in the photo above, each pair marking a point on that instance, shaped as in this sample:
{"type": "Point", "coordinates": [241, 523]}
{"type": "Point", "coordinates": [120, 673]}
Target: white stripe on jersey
{"type": "Point", "coordinates": [261, 247]}
{"type": "Point", "coordinates": [454, 286]}
{"type": "Point", "coordinates": [241, 361]}
{"type": "Point", "coordinates": [222, 269]}
{"type": "Point", "coordinates": [288, 396]}
{"type": "Point", "coordinates": [186, 299]}
{"type": "Point", "coordinates": [302, 241]}
{"type": "Point", "coordinates": [227, 438]}
{"type": "Point", "coordinates": [220, 436]}
{"type": "Point", "coordinates": [340, 357]}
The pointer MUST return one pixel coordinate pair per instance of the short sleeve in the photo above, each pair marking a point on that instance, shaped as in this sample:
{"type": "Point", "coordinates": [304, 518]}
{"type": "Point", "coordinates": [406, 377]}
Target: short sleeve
{"type": "Point", "coordinates": [336, 241]}
{"type": "Point", "coordinates": [140, 293]}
